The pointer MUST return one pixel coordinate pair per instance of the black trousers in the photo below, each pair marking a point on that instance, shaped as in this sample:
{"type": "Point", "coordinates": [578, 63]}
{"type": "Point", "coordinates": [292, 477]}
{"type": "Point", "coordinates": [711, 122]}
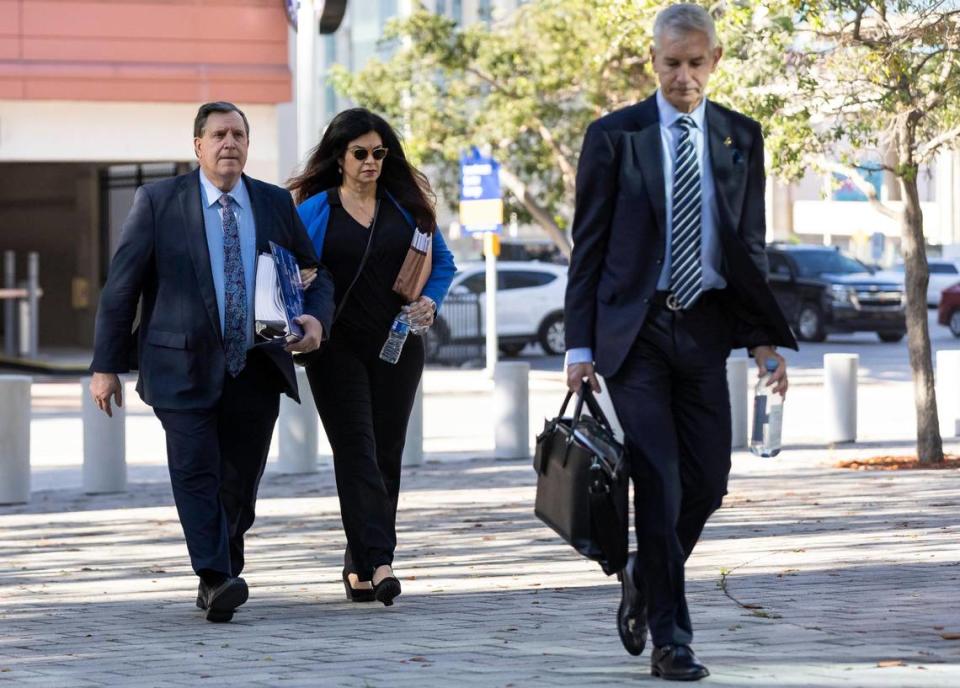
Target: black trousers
{"type": "Point", "coordinates": [672, 401]}
{"type": "Point", "coordinates": [216, 458]}
{"type": "Point", "coordinates": [365, 404]}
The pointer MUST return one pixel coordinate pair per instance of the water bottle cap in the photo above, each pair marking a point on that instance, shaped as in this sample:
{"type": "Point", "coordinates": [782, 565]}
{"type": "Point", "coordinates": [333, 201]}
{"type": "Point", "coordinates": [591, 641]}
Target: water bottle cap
{"type": "Point", "coordinates": [772, 365]}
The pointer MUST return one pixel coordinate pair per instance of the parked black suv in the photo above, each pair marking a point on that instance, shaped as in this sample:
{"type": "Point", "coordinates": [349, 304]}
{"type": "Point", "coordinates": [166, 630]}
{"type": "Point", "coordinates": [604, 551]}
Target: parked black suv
{"type": "Point", "coordinates": [821, 290]}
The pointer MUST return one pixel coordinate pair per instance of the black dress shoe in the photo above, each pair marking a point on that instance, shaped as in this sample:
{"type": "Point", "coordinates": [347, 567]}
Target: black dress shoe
{"type": "Point", "coordinates": [677, 663]}
{"type": "Point", "coordinates": [357, 594]}
{"type": "Point", "coordinates": [221, 600]}
{"type": "Point", "coordinates": [632, 615]}
{"type": "Point", "coordinates": [386, 590]}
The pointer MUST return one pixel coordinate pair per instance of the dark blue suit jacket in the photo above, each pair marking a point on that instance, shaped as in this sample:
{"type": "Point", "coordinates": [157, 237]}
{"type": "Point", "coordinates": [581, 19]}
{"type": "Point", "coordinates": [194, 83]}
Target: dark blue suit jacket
{"type": "Point", "coordinates": [619, 230]}
{"type": "Point", "coordinates": [163, 258]}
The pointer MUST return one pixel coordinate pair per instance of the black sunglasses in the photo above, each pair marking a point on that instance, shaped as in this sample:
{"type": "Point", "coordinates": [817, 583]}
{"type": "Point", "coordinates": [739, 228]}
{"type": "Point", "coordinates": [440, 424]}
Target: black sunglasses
{"type": "Point", "coordinates": [362, 153]}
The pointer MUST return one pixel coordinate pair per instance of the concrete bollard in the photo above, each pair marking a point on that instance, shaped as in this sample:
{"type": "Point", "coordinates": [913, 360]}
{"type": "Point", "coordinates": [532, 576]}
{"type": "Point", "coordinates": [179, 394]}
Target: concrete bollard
{"type": "Point", "coordinates": [738, 390]}
{"type": "Point", "coordinates": [948, 392]}
{"type": "Point", "coordinates": [14, 439]}
{"type": "Point", "coordinates": [606, 405]}
{"type": "Point", "coordinates": [104, 445]}
{"type": "Point", "coordinates": [299, 426]}
{"type": "Point", "coordinates": [413, 447]}
{"type": "Point", "coordinates": [511, 410]}
{"type": "Point", "coordinates": [840, 404]}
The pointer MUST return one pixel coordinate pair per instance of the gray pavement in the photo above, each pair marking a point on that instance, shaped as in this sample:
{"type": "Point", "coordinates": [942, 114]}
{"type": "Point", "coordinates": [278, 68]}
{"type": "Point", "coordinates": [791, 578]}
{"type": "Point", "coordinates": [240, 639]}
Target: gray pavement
{"type": "Point", "coordinates": [808, 576]}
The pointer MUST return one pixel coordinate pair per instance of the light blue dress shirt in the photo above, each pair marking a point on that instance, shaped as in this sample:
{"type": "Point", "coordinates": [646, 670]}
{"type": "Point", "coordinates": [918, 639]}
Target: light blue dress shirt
{"type": "Point", "coordinates": [213, 224]}
{"type": "Point", "coordinates": [710, 250]}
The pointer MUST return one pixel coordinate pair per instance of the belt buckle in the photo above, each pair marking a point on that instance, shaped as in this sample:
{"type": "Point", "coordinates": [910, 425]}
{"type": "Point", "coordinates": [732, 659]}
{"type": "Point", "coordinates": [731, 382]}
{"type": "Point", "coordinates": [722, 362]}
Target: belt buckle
{"type": "Point", "coordinates": [671, 302]}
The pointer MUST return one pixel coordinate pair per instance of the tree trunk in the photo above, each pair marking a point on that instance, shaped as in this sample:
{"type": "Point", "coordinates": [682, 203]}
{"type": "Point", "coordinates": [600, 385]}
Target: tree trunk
{"type": "Point", "coordinates": [539, 213]}
{"type": "Point", "coordinates": [916, 277]}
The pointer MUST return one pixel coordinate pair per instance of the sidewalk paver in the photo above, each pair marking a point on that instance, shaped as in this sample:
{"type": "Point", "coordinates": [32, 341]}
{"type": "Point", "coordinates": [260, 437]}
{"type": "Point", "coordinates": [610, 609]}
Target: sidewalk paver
{"type": "Point", "coordinates": [809, 576]}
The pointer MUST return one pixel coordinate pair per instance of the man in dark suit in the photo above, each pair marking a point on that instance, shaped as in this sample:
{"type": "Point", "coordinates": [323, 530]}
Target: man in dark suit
{"type": "Point", "coordinates": [188, 250]}
{"type": "Point", "coordinates": [668, 274]}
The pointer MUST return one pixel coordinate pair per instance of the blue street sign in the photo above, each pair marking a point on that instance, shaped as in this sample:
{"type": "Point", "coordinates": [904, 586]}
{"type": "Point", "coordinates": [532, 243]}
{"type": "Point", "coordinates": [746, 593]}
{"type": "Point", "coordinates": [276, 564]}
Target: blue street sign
{"type": "Point", "coordinates": [481, 201]}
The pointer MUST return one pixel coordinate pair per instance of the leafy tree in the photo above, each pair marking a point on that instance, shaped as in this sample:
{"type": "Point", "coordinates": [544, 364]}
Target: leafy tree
{"type": "Point", "coordinates": [865, 80]}
{"type": "Point", "coordinates": [832, 81]}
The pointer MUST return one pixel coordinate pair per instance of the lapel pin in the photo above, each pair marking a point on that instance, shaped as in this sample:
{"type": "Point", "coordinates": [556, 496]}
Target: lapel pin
{"type": "Point", "coordinates": [728, 142]}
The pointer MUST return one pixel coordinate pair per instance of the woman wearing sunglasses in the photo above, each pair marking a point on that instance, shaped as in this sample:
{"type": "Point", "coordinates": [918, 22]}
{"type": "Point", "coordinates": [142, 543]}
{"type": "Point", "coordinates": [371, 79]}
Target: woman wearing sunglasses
{"type": "Point", "coordinates": [370, 214]}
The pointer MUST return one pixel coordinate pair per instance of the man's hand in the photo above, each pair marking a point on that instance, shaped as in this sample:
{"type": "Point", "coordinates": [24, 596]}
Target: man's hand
{"type": "Point", "coordinates": [312, 336]}
{"type": "Point", "coordinates": [576, 372]}
{"type": "Point", "coordinates": [778, 378]}
{"type": "Point", "coordinates": [307, 275]}
{"type": "Point", "coordinates": [102, 387]}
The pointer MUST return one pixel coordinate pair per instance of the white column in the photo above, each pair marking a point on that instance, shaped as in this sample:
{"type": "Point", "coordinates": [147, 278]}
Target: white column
{"type": "Point", "coordinates": [948, 392]}
{"type": "Point", "coordinates": [490, 301]}
{"type": "Point", "coordinates": [14, 439]}
{"type": "Point", "coordinates": [511, 410]}
{"type": "Point", "coordinates": [413, 447]}
{"type": "Point", "coordinates": [737, 385]}
{"type": "Point", "coordinates": [840, 402]}
{"type": "Point", "coordinates": [104, 445]}
{"type": "Point", "coordinates": [298, 428]}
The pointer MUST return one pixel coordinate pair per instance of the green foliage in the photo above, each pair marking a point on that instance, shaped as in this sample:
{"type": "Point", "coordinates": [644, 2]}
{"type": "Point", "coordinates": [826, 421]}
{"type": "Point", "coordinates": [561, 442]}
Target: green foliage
{"type": "Point", "coordinates": [821, 82]}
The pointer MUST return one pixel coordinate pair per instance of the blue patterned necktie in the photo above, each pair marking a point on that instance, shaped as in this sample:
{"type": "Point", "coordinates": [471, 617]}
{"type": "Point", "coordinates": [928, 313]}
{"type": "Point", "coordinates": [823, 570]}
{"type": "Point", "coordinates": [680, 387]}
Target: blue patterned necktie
{"type": "Point", "coordinates": [686, 272]}
{"type": "Point", "coordinates": [235, 291]}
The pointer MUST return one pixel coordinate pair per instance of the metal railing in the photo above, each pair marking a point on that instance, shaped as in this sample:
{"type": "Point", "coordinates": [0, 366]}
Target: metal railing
{"type": "Point", "coordinates": [457, 336]}
{"type": "Point", "coordinates": [21, 306]}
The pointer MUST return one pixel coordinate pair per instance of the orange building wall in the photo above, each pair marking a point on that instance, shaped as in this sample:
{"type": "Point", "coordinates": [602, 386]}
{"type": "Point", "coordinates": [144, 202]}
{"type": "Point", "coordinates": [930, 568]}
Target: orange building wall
{"type": "Point", "coordinates": [144, 50]}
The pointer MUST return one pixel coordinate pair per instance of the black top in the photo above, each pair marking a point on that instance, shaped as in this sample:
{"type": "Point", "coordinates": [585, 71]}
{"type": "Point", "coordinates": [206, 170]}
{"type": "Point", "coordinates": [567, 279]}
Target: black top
{"type": "Point", "coordinates": [372, 304]}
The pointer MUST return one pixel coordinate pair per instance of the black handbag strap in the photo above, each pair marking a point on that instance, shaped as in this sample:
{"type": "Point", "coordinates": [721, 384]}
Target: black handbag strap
{"type": "Point", "coordinates": [586, 395]}
{"type": "Point", "coordinates": [363, 261]}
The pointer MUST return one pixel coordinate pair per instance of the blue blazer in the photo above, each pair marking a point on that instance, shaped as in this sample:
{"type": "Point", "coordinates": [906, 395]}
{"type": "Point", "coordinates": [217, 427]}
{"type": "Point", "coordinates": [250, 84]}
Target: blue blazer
{"type": "Point", "coordinates": [315, 213]}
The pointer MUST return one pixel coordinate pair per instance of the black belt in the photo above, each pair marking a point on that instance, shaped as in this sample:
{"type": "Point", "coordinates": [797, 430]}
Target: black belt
{"type": "Point", "coordinates": [668, 300]}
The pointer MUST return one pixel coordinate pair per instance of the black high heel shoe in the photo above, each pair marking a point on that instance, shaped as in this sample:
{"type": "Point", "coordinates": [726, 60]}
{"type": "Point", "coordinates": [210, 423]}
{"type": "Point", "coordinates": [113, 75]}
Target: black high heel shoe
{"type": "Point", "coordinates": [357, 594]}
{"type": "Point", "coordinates": [386, 590]}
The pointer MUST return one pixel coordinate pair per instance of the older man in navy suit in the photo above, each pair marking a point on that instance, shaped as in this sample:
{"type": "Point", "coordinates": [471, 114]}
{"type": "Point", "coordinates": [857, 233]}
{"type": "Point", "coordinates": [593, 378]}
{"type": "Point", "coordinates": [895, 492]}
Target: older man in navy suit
{"type": "Point", "coordinates": [188, 250]}
{"type": "Point", "coordinates": [668, 274]}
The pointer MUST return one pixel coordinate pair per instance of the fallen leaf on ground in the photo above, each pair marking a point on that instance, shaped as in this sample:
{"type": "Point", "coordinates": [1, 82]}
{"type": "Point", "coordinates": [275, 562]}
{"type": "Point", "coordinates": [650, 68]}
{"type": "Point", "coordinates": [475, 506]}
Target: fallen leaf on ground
{"type": "Point", "coordinates": [884, 663]}
{"type": "Point", "coordinates": [950, 636]}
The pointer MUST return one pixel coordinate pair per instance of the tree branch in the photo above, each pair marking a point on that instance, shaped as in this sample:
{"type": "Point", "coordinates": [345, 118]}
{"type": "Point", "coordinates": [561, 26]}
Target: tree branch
{"type": "Point", "coordinates": [926, 151]}
{"type": "Point", "coordinates": [540, 215]}
{"type": "Point", "coordinates": [865, 187]}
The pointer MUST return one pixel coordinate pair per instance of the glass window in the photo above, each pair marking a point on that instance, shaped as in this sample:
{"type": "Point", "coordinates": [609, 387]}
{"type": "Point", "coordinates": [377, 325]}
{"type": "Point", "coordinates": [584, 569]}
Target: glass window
{"type": "Point", "coordinates": [475, 283]}
{"type": "Point", "coordinates": [943, 269]}
{"type": "Point", "coordinates": [457, 10]}
{"type": "Point", "coordinates": [779, 265]}
{"type": "Point", "coordinates": [523, 279]}
{"type": "Point", "coordinates": [826, 262]}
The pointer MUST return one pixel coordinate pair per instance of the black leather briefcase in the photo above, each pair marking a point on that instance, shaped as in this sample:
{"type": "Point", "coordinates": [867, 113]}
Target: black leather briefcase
{"type": "Point", "coordinates": [582, 483]}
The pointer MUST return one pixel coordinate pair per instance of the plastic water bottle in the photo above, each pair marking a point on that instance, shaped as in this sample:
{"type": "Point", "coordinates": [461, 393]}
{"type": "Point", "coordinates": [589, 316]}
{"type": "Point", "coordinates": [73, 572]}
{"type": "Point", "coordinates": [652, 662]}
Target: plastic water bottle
{"type": "Point", "coordinates": [398, 335]}
{"type": "Point", "coordinates": [767, 416]}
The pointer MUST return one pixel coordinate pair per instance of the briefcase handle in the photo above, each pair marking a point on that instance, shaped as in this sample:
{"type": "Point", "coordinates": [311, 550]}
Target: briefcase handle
{"type": "Point", "coordinates": [585, 395]}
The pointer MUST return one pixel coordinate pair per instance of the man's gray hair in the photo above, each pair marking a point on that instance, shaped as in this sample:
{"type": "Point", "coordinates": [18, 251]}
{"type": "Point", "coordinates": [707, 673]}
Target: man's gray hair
{"type": "Point", "coordinates": [684, 18]}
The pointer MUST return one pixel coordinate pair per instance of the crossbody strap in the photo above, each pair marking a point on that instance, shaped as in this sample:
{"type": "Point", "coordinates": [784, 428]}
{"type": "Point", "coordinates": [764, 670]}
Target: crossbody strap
{"type": "Point", "coordinates": [363, 261]}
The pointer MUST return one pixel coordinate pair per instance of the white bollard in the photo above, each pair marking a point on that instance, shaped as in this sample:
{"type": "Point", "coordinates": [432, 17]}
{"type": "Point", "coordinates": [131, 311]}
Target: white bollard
{"type": "Point", "coordinates": [738, 389]}
{"type": "Point", "coordinates": [511, 410]}
{"type": "Point", "coordinates": [104, 445]}
{"type": "Point", "coordinates": [299, 427]}
{"type": "Point", "coordinates": [413, 447]}
{"type": "Point", "coordinates": [948, 392]}
{"type": "Point", "coordinates": [606, 405]}
{"type": "Point", "coordinates": [14, 439]}
{"type": "Point", "coordinates": [840, 390]}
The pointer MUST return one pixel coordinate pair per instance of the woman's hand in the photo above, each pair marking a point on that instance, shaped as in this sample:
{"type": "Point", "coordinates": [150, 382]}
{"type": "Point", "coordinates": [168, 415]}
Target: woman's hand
{"type": "Point", "coordinates": [307, 275]}
{"type": "Point", "coordinates": [421, 312]}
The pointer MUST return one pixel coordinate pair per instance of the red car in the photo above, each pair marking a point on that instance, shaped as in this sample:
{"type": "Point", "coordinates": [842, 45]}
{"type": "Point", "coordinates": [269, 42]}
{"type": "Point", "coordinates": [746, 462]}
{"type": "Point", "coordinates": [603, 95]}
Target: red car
{"type": "Point", "coordinates": [949, 312]}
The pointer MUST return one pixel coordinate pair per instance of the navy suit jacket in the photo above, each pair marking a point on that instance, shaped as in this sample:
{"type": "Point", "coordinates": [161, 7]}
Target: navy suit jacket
{"type": "Point", "coordinates": [619, 231]}
{"type": "Point", "coordinates": [163, 257]}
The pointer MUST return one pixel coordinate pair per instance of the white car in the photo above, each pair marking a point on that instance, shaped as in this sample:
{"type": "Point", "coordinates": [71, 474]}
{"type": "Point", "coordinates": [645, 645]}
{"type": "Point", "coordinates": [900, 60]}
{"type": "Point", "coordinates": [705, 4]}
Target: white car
{"type": "Point", "coordinates": [529, 306]}
{"type": "Point", "coordinates": [943, 273]}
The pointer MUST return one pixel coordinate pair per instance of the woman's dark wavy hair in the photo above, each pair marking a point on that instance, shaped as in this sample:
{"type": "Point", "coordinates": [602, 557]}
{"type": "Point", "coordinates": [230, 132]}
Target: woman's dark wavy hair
{"type": "Point", "coordinates": [405, 182]}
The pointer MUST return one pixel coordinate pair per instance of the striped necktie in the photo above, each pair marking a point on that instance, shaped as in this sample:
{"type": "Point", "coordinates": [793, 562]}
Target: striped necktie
{"type": "Point", "coordinates": [686, 271]}
{"type": "Point", "coordinates": [235, 291]}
